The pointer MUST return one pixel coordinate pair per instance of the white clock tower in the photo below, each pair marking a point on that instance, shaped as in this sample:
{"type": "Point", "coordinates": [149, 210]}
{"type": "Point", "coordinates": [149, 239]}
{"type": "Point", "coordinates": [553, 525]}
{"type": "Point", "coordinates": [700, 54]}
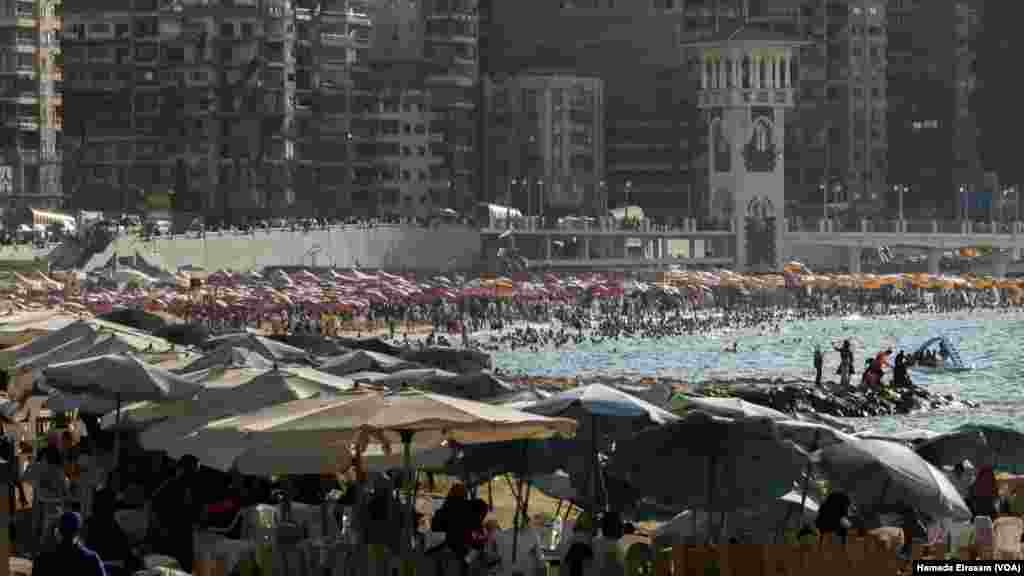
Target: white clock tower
{"type": "Point", "coordinates": [747, 84]}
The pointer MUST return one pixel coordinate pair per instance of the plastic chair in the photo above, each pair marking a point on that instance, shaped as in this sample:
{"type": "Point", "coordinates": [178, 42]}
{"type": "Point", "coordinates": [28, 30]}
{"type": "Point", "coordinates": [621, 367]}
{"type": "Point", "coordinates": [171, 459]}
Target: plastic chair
{"type": "Point", "coordinates": [984, 534]}
{"type": "Point", "coordinates": [960, 535]}
{"type": "Point", "coordinates": [259, 524]}
{"type": "Point", "coordinates": [1008, 531]}
{"type": "Point", "coordinates": [639, 560]}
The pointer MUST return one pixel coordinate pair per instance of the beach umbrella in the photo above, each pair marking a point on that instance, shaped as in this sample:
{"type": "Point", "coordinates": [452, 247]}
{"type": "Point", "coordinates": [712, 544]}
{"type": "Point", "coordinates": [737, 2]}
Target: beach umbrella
{"type": "Point", "coordinates": [270, 349]}
{"type": "Point", "coordinates": [478, 463]}
{"type": "Point", "coordinates": [185, 334]}
{"type": "Point", "coordinates": [750, 524]}
{"type": "Point", "coordinates": [726, 407]}
{"type": "Point", "coordinates": [731, 464]}
{"type": "Point", "coordinates": [882, 476]}
{"type": "Point", "coordinates": [912, 436]}
{"type": "Point", "coordinates": [998, 446]}
{"type": "Point", "coordinates": [365, 361]}
{"type": "Point", "coordinates": [234, 393]}
{"type": "Point", "coordinates": [603, 413]}
{"type": "Point", "coordinates": [227, 356]}
{"type": "Point", "coordinates": [411, 418]}
{"type": "Point", "coordinates": [123, 377]}
{"type": "Point", "coordinates": [135, 318]}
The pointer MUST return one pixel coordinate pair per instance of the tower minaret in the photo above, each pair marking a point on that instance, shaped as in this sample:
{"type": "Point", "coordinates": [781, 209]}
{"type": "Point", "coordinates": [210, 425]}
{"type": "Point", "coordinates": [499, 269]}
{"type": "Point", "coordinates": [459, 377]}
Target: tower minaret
{"type": "Point", "coordinates": [747, 84]}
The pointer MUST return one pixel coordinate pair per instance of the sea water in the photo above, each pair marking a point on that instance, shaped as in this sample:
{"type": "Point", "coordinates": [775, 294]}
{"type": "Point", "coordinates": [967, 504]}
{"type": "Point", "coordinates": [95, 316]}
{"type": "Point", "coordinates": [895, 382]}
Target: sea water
{"type": "Point", "coordinates": [990, 341]}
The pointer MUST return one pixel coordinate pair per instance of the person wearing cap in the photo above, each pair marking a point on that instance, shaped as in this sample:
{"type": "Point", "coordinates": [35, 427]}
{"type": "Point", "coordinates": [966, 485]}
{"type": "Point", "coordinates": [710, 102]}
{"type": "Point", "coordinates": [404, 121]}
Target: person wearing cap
{"type": "Point", "coordinates": [70, 556]}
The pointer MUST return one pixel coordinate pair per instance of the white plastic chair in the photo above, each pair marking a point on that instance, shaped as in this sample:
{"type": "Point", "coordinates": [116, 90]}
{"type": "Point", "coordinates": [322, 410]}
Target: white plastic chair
{"type": "Point", "coordinates": [1008, 531]}
{"type": "Point", "coordinates": [960, 535]}
{"type": "Point", "coordinates": [260, 523]}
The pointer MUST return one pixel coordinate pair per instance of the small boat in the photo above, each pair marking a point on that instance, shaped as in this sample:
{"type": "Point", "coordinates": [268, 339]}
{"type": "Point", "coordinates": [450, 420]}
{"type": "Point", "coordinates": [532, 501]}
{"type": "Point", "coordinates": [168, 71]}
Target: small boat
{"type": "Point", "coordinates": [944, 358]}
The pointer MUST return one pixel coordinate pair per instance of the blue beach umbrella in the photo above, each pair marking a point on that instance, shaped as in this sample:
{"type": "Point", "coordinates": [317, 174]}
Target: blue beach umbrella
{"type": "Point", "coordinates": [608, 413]}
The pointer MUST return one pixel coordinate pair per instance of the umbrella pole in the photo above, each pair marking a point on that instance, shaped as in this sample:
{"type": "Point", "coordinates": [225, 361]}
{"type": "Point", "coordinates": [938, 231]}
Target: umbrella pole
{"type": "Point", "coordinates": [711, 496]}
{"type": "Point", "coordinates": [407, 464]}
{"type": "Point", "coordinates": [117, 433]}
{"type": "Point", "coordinates": [807, 481]}
{"type": "Point", "coordinates": [520, 504]}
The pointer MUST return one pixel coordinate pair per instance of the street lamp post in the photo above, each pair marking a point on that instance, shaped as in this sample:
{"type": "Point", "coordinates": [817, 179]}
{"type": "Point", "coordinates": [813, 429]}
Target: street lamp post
{"type": "Point", "coordinates": [508, 192]}
{"type": "Point", "coordinates": [824, 200]}
{"type": "Point", "coordinates": [540, 196]}
{"type": "Point", "coordinates": [901, 189]}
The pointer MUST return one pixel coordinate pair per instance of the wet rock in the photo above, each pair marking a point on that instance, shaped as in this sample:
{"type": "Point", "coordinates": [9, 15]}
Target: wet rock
{"type": "Point", "coordinates": [832, 399]}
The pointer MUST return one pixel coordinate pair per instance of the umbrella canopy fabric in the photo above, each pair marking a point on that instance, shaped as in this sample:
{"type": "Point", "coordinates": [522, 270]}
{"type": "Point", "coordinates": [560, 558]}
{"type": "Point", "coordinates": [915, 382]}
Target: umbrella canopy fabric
{"type": "Point", "coordinates": [600, 400]}
{"type": "Point", "coordinates": [371, 344]}
{"type": "Point", "coordinates": [481, 462]}
{"type": "Point", "coordinates": [913, 436]}
{"type": "Point", "coordinates": [726, 407]}
{"type": "Point", "coordinates": [754, 524]}
{"type": "Point", "coordinates": [47, 342]}
{"type": "Point", "coordinates": [185, 334]}
{"type": "Point", "coordinates": [313, 343]}
{"type": "Point", "coordinates": [227, 356]}
{"type": "Point", "coordinates": [240, 392]}
{"type": "Point", "coordinates": [365, 361]}
{"type": "Point", "coordinates": [135, 318]}
{"type": "Point", "coordinates": [1007, 444]}
{"type": "Point", "coordinates": [955, 447]}
{"type": "Point", "coordinates": [883, 477]}
{"type": "Point", "coordinates": [810, 436]}
{"type": "Point", "coordinates": [271, 349]}
{"type": "Point", "coordinates": [250, 441]}
{"type": "Point", "coordinates": [731, 464]}
{"type": "Point", "coordinates": [124, 377]}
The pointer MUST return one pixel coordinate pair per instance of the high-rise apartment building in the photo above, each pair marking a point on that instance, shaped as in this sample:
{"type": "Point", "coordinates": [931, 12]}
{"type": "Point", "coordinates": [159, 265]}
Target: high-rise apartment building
{"type": "Point", "coordinates": [1000, 118]}
{"type": "Point", "coordinates": [633, 47]}
{"type": "Point", "coordinates": [188, 97]}
{"type": "Point", "coordinates": [408, 154]}
{"type": "Point", "coordinates": [837, 133]}
{"type": "Point", "coordinates": [30, 111]}
{"type": "Point", "coordinates": [332, 60]}
{"type": "Point", "coordinates": [451, 34]}
{"type": "Point", "coordinates": [238, 107]}
{"type": "Point", "coordinates": [931, 120]}
{"type": "Point", "coordinates": [547, 143]}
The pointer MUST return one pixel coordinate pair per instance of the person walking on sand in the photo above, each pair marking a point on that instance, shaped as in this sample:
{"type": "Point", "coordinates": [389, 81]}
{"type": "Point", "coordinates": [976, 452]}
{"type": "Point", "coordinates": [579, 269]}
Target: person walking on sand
{"type": "Point", "coordinates": [819, 364]}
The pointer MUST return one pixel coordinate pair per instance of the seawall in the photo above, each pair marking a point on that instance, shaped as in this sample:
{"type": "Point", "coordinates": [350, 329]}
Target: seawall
{"type": "Point", "coordinates": [387, 247]}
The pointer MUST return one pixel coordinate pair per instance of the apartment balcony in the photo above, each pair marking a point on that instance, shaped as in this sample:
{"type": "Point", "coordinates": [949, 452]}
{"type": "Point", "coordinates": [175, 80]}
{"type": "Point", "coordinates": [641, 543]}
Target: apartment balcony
{"type": "Point", "coordinates": [29, 123]}
{"type": "Point", "coordinates": [25, 98]}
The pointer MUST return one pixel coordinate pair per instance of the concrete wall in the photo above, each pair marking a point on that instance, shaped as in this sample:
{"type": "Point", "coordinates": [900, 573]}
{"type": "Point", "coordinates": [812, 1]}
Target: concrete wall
{"type": "Point", "coordinates": [385, 247]}
{"type": "Point", "coordinates": [818, 257]}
